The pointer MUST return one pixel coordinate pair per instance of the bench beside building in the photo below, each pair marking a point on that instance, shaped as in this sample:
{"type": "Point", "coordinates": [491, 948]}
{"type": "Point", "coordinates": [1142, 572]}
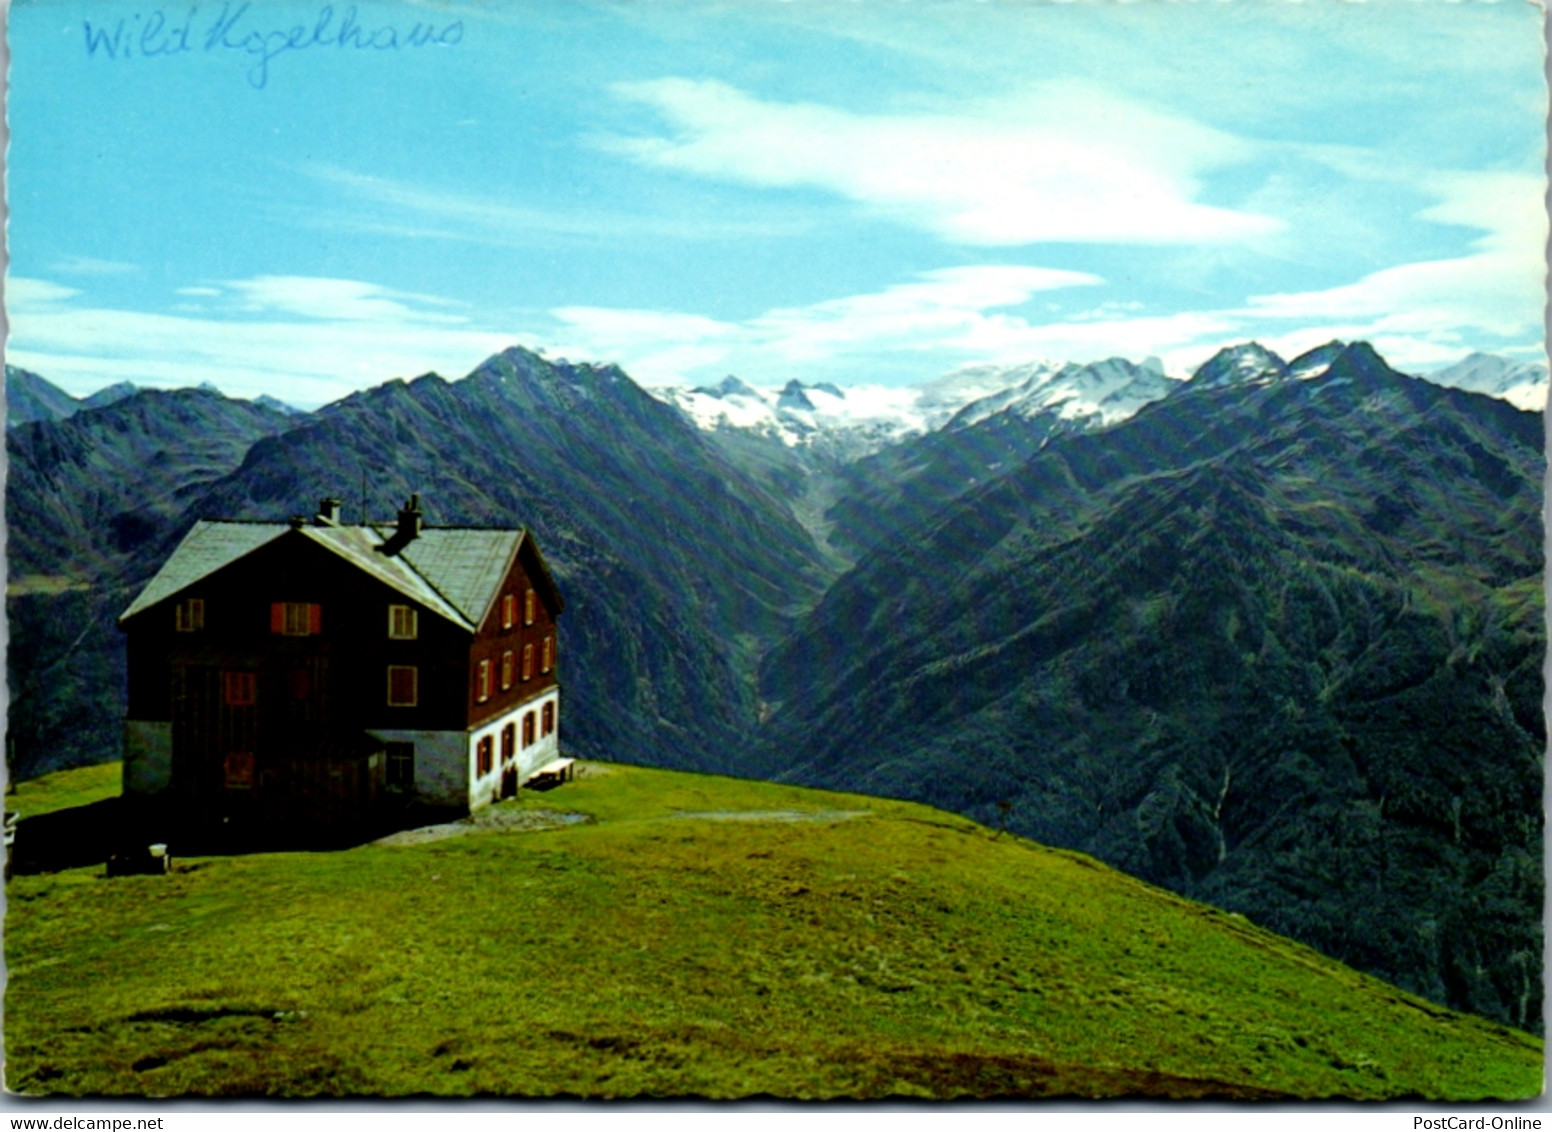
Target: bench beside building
{"type": "Point", "coordinates": [314, 673]}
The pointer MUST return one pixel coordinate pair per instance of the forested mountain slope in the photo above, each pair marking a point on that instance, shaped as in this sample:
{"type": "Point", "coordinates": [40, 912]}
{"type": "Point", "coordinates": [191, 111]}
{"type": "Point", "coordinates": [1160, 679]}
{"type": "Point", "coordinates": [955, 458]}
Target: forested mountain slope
{"type": "Point", "coordinates": [1276, 644]}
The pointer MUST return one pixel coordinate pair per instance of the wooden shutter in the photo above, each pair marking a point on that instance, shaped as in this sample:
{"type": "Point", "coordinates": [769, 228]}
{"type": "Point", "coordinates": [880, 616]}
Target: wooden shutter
{"type": "Point", "coordinates": [315, 619]}
{"type": "Point", "coordinates": [277, 617]}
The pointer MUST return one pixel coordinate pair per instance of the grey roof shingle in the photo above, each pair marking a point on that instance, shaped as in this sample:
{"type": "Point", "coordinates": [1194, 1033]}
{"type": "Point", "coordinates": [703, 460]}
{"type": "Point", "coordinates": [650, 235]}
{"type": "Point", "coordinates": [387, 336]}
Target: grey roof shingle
{"type": "Point", "coordinates": [453, 571]}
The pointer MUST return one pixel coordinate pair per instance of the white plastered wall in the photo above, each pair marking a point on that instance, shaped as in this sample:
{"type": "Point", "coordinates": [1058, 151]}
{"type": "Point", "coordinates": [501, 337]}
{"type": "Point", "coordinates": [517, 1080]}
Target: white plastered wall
{"type": "Point", "coordinates": [544, 749]}
{"type": "Point", "coordinates": [446, 762]}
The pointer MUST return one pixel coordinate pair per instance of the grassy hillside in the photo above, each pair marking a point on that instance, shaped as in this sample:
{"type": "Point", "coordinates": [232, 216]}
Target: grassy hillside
{"type": "Point", "coordinates": [699, 936]}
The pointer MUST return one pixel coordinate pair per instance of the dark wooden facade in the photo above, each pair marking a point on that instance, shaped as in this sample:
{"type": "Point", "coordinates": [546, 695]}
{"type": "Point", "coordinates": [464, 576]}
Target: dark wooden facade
{"type": "Point", "coordinates": [273, 669]}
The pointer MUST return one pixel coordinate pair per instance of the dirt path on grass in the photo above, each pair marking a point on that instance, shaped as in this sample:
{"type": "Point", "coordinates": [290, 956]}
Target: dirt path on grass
{"type": "Point", "coordinates": [490, 818]}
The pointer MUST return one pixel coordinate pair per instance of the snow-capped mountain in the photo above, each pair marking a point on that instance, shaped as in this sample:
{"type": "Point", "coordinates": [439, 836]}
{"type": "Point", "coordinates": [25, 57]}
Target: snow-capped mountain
{"type": "Point", "coordinates": [855, 421]}
{"type": "Point", "coordinates": [844, 423]}
{"type": "Point", "coordinates": [849, 423]}
{"type": "Point", "coordinates": [1522, 384]}
{"type": "Point", "coordinates": [1087, 396]}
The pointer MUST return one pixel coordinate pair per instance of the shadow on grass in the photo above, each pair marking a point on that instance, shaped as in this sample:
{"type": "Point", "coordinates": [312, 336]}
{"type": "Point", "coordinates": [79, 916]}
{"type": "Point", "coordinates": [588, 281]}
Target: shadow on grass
{"type": "Point", "coordinates": [118, 835]}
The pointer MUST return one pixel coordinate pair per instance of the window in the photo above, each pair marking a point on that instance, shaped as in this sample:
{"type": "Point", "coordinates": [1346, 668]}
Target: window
{"type": "Point", "coordinates": [189, 616]}
{"type": "Point", "coordinates": [508, 743]}
{"type": "Point", "coordinates": [528, 729]}
{"type": "Point", "coordinates": [547, 658]}
{"type": "Point", "coordinates": [484, 757]}
{"type": "Point", "coordinates": [527, 662]}
{"type": "Point", "coordinates": [508, 610]}
{"type": "Point", "coordinates": [482, 682]}
{"type": "Point", "coordinates": [528, 608]}
{"type": "Point", "coordinates": [507, 667]}
{"type": "Point", "coordinates": [403, 623]}
{"type": "Point", "coordinates": [295, 618]}
{"type": "Point", "coordinates": [401, 766]}
{"type": "Point", "coordinates": [403, 685]}
{"type": "Point", "coordinates": [239, 689]}
{"type": "Point", "coordinates": [547, 720]}
{"type": "Point", "coordinates": [238, 769]}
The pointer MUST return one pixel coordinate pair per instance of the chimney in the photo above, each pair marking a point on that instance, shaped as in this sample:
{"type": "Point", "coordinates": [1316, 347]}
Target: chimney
{"type": "Point", "coordinates": [328, 512]}
{"type": "Point", "coordinates": [409, 521]}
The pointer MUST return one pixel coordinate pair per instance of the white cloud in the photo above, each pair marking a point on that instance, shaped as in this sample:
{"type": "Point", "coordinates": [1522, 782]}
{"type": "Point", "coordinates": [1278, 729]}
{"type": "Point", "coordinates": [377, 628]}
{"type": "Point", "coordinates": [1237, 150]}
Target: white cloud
{"type": "Point", "coordinates": [939, 310]}
{"type": "Point", "coordinates": [304, 341]}
{"type": "Point", "coordinates": [1498, 289]}
{"type": "Point", "coordinates": [1063, 162]}
{"type": "Point", "coordinates": [20, 290]}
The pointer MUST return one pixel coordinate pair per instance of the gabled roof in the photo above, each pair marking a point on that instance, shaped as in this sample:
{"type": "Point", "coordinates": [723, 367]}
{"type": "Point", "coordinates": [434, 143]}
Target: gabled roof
{"type": "Point", "coordinates": [453, 571]}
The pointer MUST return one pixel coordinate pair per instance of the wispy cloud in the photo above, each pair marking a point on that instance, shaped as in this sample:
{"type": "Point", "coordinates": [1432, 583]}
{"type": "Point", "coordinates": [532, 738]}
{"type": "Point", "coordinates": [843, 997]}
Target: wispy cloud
{"type": "Point", "coordinates": [473, 217]}
{"type": "Point", "coordinates": [1061, 162]}
{"type": "Point", "coordinates": [85, 265]}
{"type": "Point", "coordinates": [346, 300]}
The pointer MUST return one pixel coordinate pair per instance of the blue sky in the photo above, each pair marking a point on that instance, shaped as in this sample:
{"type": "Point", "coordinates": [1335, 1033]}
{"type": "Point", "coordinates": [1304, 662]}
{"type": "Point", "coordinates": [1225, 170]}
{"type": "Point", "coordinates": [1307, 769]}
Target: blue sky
{"type": "Point", "coordinates": [302, 200]}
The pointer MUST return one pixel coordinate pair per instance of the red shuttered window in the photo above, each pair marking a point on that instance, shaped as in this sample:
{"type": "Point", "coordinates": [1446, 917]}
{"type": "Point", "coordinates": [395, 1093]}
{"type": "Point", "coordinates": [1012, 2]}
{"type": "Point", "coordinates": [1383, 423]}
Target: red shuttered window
{"type": "Point", "coordinates": [295, 618]}
{"type": "Point", "coordinates": [528, 608]}
{"type": "Point", "coordinates": [508, 743]}
{"type": "Point", "coordinates": [547, 657]}
{"type": "Point", "coordinates": [508, 610]}
{"type": "Point", "coordinates": [528, 729]}
{"type": "Point", "coordinates": [527, 662]}
{"type": "Point", "coordinates": [239, 689]}
{"type": "Point", "coordinates": [238, 770]}
{"type": "Point", "coordinates": [507, 667]}
{"type": "Point", "coordinates": [547, 721]}
{"type": "Point", "coordinates": [484, 757]}
{"type": "Point", "coordinates": [482, 682]}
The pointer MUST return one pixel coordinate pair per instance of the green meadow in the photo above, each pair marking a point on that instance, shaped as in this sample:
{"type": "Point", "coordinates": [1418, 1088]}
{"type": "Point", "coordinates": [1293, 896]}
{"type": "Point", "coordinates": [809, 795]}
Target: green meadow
{"type": "Point", "coordinates": [694, 937]}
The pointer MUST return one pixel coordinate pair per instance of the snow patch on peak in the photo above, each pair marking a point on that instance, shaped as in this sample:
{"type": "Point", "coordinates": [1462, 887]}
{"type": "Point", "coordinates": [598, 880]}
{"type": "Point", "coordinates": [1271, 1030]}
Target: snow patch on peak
{"type": "Point", "coordinates": [1522, 384]}
{"type": "Point", "coordinates": [1249, 363]}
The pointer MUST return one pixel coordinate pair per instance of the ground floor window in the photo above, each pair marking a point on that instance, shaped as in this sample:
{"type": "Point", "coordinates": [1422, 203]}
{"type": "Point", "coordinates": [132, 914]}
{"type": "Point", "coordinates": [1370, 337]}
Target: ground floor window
{"type": "Point", "coordinates": [508, 742]}
{"type": "Point", "coordinates": [483, 759]}
{"type": "Point", "coordinates": [401, 766]}
{"type": "Point", "coordinates": [547, 720]}
{"type": "Point", "coordinates": [528, 729]}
